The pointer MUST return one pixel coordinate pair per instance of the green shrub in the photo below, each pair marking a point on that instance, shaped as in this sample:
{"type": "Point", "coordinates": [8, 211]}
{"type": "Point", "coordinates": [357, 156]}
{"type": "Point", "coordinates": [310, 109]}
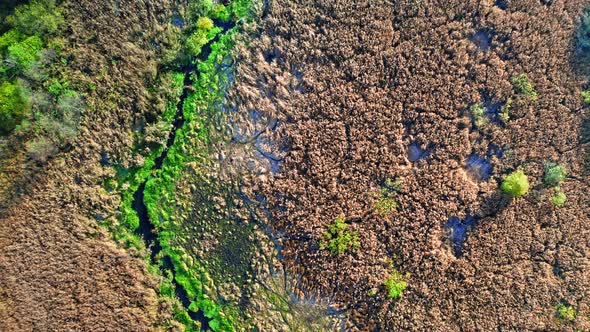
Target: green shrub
{"type": "Point", "coordinates": [478, 112]}
{"type": "Point", "coordinates": [554, 174]}
{"type": "Point", "coordinates": [56, 87]}
{"type": "Point", "coordinates": [395, 284]}
{"type": "Point", "coordinates": [9, 38]}
{"type": "Point", "coordinates": [385, 205]}
{"type": "Point", "coordinates": [505, 111]}
{"type": "Point", "coordinates": [338, 239]}
{"type": "Point", "coordinates": [220, 12]}
{"type": "Point", "coordinates": [25, 53]}
{"type": "Point", "coordinates": [39, 18]}
{"type": "Point", "coordinates": [205, 32]}
{"type": "Point", "coordinates": [515, 184]}
{"type": "Point", "coordinates": [559, 199]}
{"type": "Point", "coordinates": [586, 96]}
{"type": "Point", "coordinates": [523, 85]}
{"type": "Point", "coordinates": [205, 23]}
{"type": "Point", "coordinates": [12, 107]}
{"type": "Point", "coordinates": [565, 312]}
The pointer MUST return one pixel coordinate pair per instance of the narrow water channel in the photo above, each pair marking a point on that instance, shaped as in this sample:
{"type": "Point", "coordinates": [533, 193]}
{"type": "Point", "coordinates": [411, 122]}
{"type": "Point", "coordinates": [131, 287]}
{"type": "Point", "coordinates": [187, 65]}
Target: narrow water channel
{"type": "Point", "coordinates": [146, 229]}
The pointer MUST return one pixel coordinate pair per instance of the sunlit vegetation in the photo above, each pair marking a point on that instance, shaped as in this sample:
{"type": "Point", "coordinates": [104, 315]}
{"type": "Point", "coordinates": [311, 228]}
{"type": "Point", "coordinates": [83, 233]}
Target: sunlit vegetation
{"type": "Point", "coordinates": [559, 199]}
{"type": "Point", "coordinates": [12, 106]}
{"type": "Point", "coordinates": [338, 239]}
{"type": "Point", "coordinates": [478, 113]}
{"type": "Point", "coordinates": [189, 147]}
{"type": "Point", "coordinates": [515, 184]}
{"type": "Point", "coordinates": [44, 114]}
{"type": "Point", "coordinates": [395, 284]}
{"type": "Point", "coordinates": [554, 174]}
{"type": "Point", "coordinates": [565, 312]}
{"type": "Point", "coordinates": [505, 111]}
{"type": "Point", "coordinates": [522, 85]}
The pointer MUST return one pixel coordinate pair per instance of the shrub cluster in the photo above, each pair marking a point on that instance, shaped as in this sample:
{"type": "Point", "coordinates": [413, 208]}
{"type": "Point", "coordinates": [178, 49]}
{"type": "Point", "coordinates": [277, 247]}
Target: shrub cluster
{"type": "Point", "coordinates": [40, 106]}
{"type": "Point", "coordinates": [337, 239]}
{"type": "Point", "coordinates": [554, 175]}
{"type": "Point", "coordinates": [523, 85]}
{"type": "Point", "coordinates": [478, 112]}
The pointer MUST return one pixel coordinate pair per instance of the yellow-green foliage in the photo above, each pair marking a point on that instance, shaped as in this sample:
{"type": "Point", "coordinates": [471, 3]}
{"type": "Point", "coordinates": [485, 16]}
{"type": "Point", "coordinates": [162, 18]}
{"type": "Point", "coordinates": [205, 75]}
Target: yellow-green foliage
{"type": "Point", "coordinates": [516, 184]}
{"type": "Point", "coordinates": [559, 199]}
{"type": "Point", "coordinates": [385, 205]}
{"type": "Point", "coordinates": [205, 32]}
{"type": "Point", "coordinates": [12, 106]}
{"type": "Point", "coordinates": [505, 111]}
{"type": "Point", "coordinates": [39, 18]}
{"type": "Point", "coordinates": [205, 23]}
{"type": "Point", "coordinates": [10, 37]}
{"type": "Point", "coordinates": [220, 12]}
{"type": "Point", "coordinates": [586, 96]}
{"type": "Point", "coordinates": [565, 312]}
{"type": "Point", "coordinates": [395, 284]}
{"type": "Point", "coordinates": [478, 112]}
{"type": "Point", "coordinates": [523, 85]}
{"type": "Point", "coordinates": [337, 239]}
{"type": "Point", "coordinates": [25, 53]}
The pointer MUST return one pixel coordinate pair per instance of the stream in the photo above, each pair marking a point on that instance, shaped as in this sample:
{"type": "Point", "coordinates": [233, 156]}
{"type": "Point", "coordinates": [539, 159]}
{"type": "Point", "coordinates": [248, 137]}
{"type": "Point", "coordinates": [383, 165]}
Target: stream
{"type": "Point", "coordinates": [146, 229]}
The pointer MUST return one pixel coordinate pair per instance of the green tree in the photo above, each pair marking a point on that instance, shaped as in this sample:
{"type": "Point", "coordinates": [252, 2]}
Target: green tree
{"type": "Point", "coordinates": [12, 107]}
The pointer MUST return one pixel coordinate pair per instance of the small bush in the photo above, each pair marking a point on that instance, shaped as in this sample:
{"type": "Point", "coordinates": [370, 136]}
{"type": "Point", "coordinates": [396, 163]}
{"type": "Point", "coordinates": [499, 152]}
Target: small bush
{"type": "Point", "coordinates": [12, 107]}
{"type": "Point", "coordinates": [338, 239]}
{"type": "Point", "coordinates": [205, 23]}
{"type": "Point", "coordinates": [478, 112]}
{"type": "Point", "coordinates": [515, 184]}
{"type": "Point", "coordinates": [554, 174]}
{"type": "Point", "coordinates": [205, 32]}
{"type": "Point", "coordinates": [559, 199]}
{"type": "Point", "coordinates": [565, 312]}
{"type": "Point", "coordinates": [385, 205]}
{"type": "Point", "coordinates": [586, 96]}
{"type": "Point", "coordinates": [505, 111]}
{"type": "Point", "coordinates": [395, 284]}
{"type": "Point", "coordinates": [523, 85]}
